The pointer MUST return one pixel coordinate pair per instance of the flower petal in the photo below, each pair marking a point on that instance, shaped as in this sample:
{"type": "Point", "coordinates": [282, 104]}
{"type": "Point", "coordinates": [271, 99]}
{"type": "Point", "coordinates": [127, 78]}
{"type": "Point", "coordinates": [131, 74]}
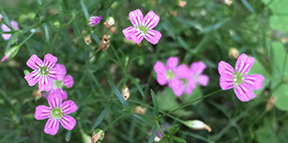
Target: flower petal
{"type": "Point", "coordinates": [244, 93]}
{"type": "Point", "coordinates": [177, 86]}
{"type": "Point", "coordinates": [62, 70]}
{"type": "Point", "coordinates": [161, 78]}
{"type": "Point", "coordinates": [51, 126]}
{"type": "Point", "coordinates": [203, 80]}
{"type": "Point", "coordinates": [136, 17]}
{"type": "Point", "coordinates": [54, 100]}
{"type": "Point", "coordinates": [136, 36]}
{"type": "Point", "coordinates": [68, 81]}
{"type": "Point", "coordinates": [129, 31]}
{"type": "Point", "coordinates": [226, 82]}
{"type": "Point", "coordinates": [68, 107]}
{"type": "Point", "coordinates": [225, 69]}
{"type": "Point", "coordinates": [45, 83]}
{"type": "Point", "coordinates": [244, 64]}
{"type": "Point", "coordinates": [68, 122]}
{"type": "Point", "coordinates": [5, 28]}
{"type": "Point", "coordinates": [14, 24]}
{"type": "Point", "coordinates": [60, 92]}
{"type": "Point", "coordinates": [255, 81]}
{"type": "Point", "coordinates": [55, 73]}
{"type": "Point", "coordinates": [190, 87]}
{"type": "Point", "coordinates": [42, 112]}
{"type": "Point", "coordinates": [34, 62]}
{"type": "Point", "coordinates": [32, 78]}
{"type": "Point", "coordinates": [159, 68]}
{"type": "Point", "coordinates": [151, 20]}
{"type": "Point", "coordinates": [153, 36]}
{"type": "Point", "coordinates": [172, 63]}
{"type": "Point", "coordinates": [181, 71]}
{"type": "Point", "coordinates": [198, 67]}
{"type": "Point", "coordinates": [50, 60]}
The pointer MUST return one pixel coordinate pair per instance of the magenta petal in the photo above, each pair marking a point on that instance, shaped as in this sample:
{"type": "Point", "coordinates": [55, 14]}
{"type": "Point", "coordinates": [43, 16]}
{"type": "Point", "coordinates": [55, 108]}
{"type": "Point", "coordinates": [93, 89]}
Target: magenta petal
{"type": "Point", "coordinates": [50, 61]}
{"type": "Point", "coordinates": [244, 93]}
{"type": "Point", "coordinates": [45, 83]}
{"type": "Point", "coordinates": [172, 63]}
{"type": "Point", "coordinates": [226, 82]}
{"type": "Point", "coordinates": [225, 69]}
{"type": "Point", "coordinates": [68, 81]}
{"type": "Point", "coordinates": [62, 69]}
{"type": "Point", "coordinates": [159, 68]}
{"type": "Point", "coordinates": [198, 67]}
{"type": "Point", "coordinates": [51, 126]}
{"type": "Point", "coordinates": [5, 28]}
{"type": "Point", "coordinates": [181, 71]}
{"type": "Point", "coordinates": [136, 37]}
{"type": "Point", "coordinates": [244, 64]}
{"type": "Point", "coordinates": [129, 31]}
{"type": "Point", "coordinates": [42, 112]}
{"type": "Point", "coordinates": [191, 83]}
{"type": "Point", "coordinates": [153, 36]}
{"type": "Point", "coordinates": [34, 62]}
{"type": "Point", "coordinates": [161, 78]}
{"type": "Point", "coordinates": [68, 107]}
{"type": "Point", "coordinates": [255, 81]}
{"type": "Point", "coordinates": [32, 78]}
{"type": "Point", "coordinates": [151, 20]}
{"type": "Point", "coordinates": [203, 80]}
{"type": "Point", "coordinates": [177, 86]}
{"type": "Point", "coordinates": [14, 24]}
{"type": "Point", "coordinates": [55, 73]}
{"type": "Point", "coordinates": [136, 17]}
{"type": "Point", "coordinates": [54, 100]}
{"type": "Point", "coordinates": [59, 91]}
{"type": "Point", "coordinates": [68, 122]}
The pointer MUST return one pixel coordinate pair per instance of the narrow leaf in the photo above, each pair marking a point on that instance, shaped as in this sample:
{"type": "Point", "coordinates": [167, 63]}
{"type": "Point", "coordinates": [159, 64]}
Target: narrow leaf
{"type": "Point", "coordinates": [117, 92]}
{"type": "Point", "coordinates": [153, 135]}
{"type": "Point", "coordinates": [101, 116]}
{"type": "Point", "coordinates": [155, 103]}
{"type": "Point", "coordinates": [247, 5]}
{"type": "Point", "coordinates": [84, 8]}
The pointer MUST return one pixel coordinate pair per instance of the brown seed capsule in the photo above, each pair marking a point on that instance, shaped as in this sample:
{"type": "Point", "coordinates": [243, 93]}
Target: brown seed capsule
{"type": "Point", "coordinates": [125, 92]}
{"type": "Point", "coordinates": [37, 94]}
{"type": "Point", "coordinates": [87, 38]}
{"type": "Point", "coordinates": [139, 109]}
{"type": "Point", "coordinates": [181, 3]}
{"type": "Point", "coordinates": [95, 138]}
{"type": "Point", "coordinates": [270, 103]}
{"type": "Point", "coordinates": [173, 13]}
{"type": "Point", "coordinates": [104, 43]}
{"type": "Point", "coordinates": [234, 53]}
{"type": "Point", "coordinates": [112, 29]}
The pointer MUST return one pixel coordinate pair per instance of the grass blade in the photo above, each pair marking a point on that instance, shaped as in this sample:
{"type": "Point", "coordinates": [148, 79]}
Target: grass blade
{"type": "Point", "coordinates": [155, 103]}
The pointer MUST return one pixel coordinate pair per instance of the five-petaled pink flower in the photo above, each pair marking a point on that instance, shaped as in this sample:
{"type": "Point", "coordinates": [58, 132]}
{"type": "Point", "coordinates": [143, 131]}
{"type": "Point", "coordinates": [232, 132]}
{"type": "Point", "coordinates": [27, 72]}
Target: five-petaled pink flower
{"type": "Point", "coordinates": [43, 72]}
{"type": "Point", "coordinates": [197, 68]}
{"type": "Point", "coordinates": [66, 80]}
{"type": "Point", "coordinates": [5, 28]}
{"type": "Point", "coordinates": [94, 20]}
{"type": "Point", "coordinates": [57, 112]}
{"type": "Point", "coordinates": [187, 84]}
{"type": "Point", "coordinates": [142, 27]}
{"type": "Point", "coordinates": [238, 79]}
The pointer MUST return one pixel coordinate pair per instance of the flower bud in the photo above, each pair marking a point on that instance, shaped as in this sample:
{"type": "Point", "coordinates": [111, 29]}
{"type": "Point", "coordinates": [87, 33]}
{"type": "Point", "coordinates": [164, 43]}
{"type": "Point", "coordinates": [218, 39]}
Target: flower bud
{"type": "Point", "coordinates": [0, 17]}
{"type": "Point", "coordinates": [233, 53]}
{"type": "Point", "coordinates": [109, 22]}
{"type": "Point", "coordinates": [56, 24]}
{"type": "Point", "coordinates": [197, 125]}
{"type": "Point", "coordinates": [113, 29]}
{"type": "Point", "coordinates": [270, 103]}
{"type": "Point", "coordinates": [125, 92]}
{"type": "Point", "coordinates": [10, 53]}
{"type": "Point", "coordinates": [104, 43]}
{"type": "Point", "coordinates": [228, 2]}
{"type": "Point", "coordinates": [182, 3]}
{"type": "Point", "coordinates": [98, 134]}
{"type": "Point", "coordinates": [94, 20]}
{"type": "Point", "coordinates": [139, 109]}
{"type": "Point", "coordinates": [87, 39]}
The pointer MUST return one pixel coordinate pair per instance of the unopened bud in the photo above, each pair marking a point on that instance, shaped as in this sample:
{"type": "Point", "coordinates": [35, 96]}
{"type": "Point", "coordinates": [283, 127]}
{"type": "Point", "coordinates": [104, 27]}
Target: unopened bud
{"type": "Point", "coordinates": [228, 2]}
{"type": "Point", "coordinates": [139, 109]}
{"type": "Point", "coordinates": [0, 17]}
{"type": "Point", "coordinates": [113, 29]}
{"type": "Point", "coordinates": [234, 53]}
{"type": "Point", "coordinates": [109, 22]}
{"type": "Point", "coordinates": [87, 39]}
{"type": "Point", "coordinates": [56, 24]}
{"type": "Point", "coordinates": [270, 103]}
{"type": "Point", "coordinates": [181, 3]}
{"type": "Point", "coordinates": [26, 72]}
{"type": "Point", "coordinates": [197, 125]}
{"type": "Point", "coordinates": [104, 43]}
{"type": "Point", "coordinates": [98, 134]}
{"type": "Point", "coordinates": [37, 94]}
{"type": "Point", "coordinates": [125, 92]}
{"type": "Point", "coordinates": [10, 53]}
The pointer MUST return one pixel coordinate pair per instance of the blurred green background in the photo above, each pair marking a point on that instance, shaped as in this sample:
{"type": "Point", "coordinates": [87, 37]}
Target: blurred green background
{"type": "Point", "coordinates": [203, 30]}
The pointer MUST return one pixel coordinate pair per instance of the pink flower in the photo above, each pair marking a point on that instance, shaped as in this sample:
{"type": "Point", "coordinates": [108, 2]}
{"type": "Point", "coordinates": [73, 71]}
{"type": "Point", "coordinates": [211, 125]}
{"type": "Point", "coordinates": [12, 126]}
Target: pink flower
{"type": "Point", "coordinates": [57, 85]}
{"type": "Point", "coordinates": [186, 76]}
{"type": "Point", "coordinates": [43, 72]}
{"type": "Point", "coordinates": [142, 27]}
{"type": "Point", "coordinates": [5, 28]}
{"type": "Point", "coordinates": [94, 20]}
{"type": "Point", "coordinates": [0, 17]}
{"type": "Point", "coordinates": [238, 79]}
{"type": "Point", "coordinates": [57, 112]}
{"type": "Point", "coordinates": [197, 68]}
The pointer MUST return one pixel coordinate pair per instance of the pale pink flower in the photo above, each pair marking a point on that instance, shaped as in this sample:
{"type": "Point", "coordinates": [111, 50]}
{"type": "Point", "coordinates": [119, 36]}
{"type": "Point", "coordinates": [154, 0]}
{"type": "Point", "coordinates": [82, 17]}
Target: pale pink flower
{"type": "Point", "coordinates": [57, 112]}
{"type": "Point", "coordinates": [43, 72]}
{"type": "Point", "coordinates": [94, 20]}
{"type": "Point", "coordinates": [197, 68]}
{"type": "Point", "coordinates": [142, 27]}
{"type": "Point", "coordinates": [0, 17]}
{"type": "Point", "coordinates": [186, 76]}
{"type": "Point", "coordinates": [66, 80]}
{"type": "Point", "coordinates": [238, 79]}
{"type": "Point", "coordinates": [5, 28]}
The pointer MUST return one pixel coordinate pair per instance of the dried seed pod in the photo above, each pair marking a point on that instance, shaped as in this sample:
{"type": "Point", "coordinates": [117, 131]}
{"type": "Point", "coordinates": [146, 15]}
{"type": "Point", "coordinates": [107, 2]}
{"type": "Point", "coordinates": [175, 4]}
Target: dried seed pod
{"type": "Point", "coordinates": [87, 39]}
{"type": "Point", "coordinates": [182, 3]}
{"type": "Point", "coordinates": [104, 43]}
{"type": "Point", "coordinates": [228, 2]}
{"type": "Point", "coordinates": [112, 29]}
{"type": "Point", "coordinates": [37, 94]}
{"type": "Point", "coordinates": [197, 125]}
{"type": "Point", "coordinates": [139, 109]}
{"type": "Point", "coordinates": [270, 103]}
{"type": "Point", "coordinates": [173, 13]}
{"type": "Point", "coordinates": [234, 53]}
{"type": "Point", "coordinates": [125, 92]}
{"type": "Point", "coordinates": [98, 135]}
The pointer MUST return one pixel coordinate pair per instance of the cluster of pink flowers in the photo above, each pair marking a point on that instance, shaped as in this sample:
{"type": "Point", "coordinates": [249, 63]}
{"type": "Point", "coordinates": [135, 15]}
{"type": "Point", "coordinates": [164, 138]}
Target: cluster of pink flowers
{"type": "Point", "coordinates": [181, 78]}
{"type": "Point", "coordinates": [51, 77]}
